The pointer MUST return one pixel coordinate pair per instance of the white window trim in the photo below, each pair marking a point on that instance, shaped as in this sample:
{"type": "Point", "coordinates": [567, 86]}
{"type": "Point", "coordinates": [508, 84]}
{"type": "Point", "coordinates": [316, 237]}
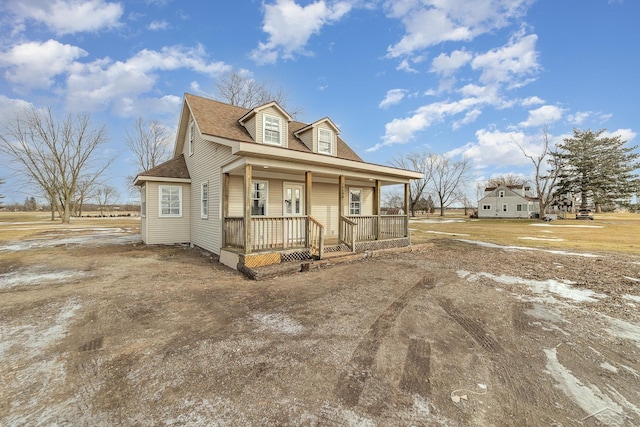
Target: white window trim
{"type": "Point", "coordinates": [330, 152]}
{"type": "Point", "coordinates": [486, 207]}
{"type": "Point", "coordinates": [280, 129]}
{"type": "Point", "coordinates": [160, 214]}
{"type": "Point", "coordinates": [505, 207]}
{"type": "Point", "coordinates": [204, 200]}
{"type": "Point", "coordinates": [266, 200]}
{"type": "Point", "coordinates": [192, 131]}
{"type": "Point", "coordinates": [143, 201]}
{"type": "Point", "coordinates": [359, 202]}
{"type": "Point", "coordinates": [501, 193]}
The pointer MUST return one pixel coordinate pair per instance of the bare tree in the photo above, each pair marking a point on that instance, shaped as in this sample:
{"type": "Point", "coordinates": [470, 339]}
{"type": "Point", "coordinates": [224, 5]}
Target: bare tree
{"type": "Point", "coordinates": [548, 168]}
{"type": "Point", "coordinates": [1, 196]}
{"type": "Point", "coordinates": [506, 180]}
{"type": "Point", "coordinates": [105, 196]}
{"type": "Point", "coordinates": [448, 178]}
{"type": "Point", "coordinates": [150, 143]}
{"type": "Point", "coordinates": [53, 154]}
{"type": "Point", "coordinates": [418, 162]}
{"type": "Point", "coordinates": [238, 89]}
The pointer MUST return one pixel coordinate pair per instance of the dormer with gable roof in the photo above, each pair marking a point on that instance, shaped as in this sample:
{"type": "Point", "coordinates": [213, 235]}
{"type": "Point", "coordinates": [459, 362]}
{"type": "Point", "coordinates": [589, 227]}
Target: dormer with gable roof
{"type": "Point", "coordinates": [268, 124]}
{"type": "Point", "coordinates": [320, 137]}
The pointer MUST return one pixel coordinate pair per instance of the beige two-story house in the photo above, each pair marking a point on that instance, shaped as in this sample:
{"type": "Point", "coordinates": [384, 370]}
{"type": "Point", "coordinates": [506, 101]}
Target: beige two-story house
{"type": "Point", "coordinates": [257, 187]}
{"type": "Point", "coordinates": [508, 201]}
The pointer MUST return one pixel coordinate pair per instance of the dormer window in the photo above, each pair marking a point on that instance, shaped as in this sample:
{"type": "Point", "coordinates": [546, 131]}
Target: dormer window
{"type": "Point", "coordinates": [272, 130]}
{"type": "Point", "coordinates": [324, 141]}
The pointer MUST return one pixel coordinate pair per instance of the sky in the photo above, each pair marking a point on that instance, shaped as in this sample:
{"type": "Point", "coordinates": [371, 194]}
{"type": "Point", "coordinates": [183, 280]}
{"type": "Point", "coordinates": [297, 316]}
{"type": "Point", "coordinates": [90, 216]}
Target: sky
{"type": "Point", "coordinates": [451, 77]}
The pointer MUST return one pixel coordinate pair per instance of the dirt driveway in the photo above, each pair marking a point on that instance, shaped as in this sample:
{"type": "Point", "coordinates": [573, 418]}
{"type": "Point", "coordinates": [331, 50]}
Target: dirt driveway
{"type": "Point", "coordinates": [110, 332]}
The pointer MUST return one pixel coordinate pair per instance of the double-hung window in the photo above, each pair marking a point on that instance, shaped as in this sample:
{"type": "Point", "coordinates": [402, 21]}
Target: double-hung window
{"type": "Point", "coordinates": [170, 201]}
{"type": "Point", "coordinates": [204, 200]}
{"type": "Point", "coordinates": [324, 141]}
{"type": "Point", "coordinates": [486, 207]}
{"type": "Point", "coordinates": [355, 201]}
{"type": "Point", "coordinates": [259, 197]}
{"type": "Point", "coordinates": [272, 130]}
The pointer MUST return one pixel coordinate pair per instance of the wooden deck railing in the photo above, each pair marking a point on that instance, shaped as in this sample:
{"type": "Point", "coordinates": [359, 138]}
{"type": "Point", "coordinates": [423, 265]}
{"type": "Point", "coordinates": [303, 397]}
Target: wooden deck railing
{"type": "Point", "coordinates": [278, 233]}
{"type": "Point", "coordinates": [348, 233]}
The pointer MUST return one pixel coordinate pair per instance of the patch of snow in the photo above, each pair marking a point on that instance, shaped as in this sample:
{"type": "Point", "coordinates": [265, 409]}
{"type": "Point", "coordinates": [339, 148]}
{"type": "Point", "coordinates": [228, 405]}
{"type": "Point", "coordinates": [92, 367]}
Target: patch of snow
{"type": "Point", "coordinates": [635, 298]}
{"type": "Point", "coordinates": [557, 287]}
{"type": "Point", "coordinates": [625, 330]}
{"type": "Point", "coordinates": [93, 239]}
{"type": "Point", "coordinates": [607, 367]}
{"type": "Point", "coordinates": [633, 279]}
{"type": "Point", "coordinates": [28, 277]}
{"type": "Point", "coordinates": [547, 239]}
{"type": "Point", "coordinates": [436, 221]}
{"type": "Point", "coordinates": [587, 397]}
{"type": "Point", "coordinates": [444, 232]}
{"type": "Point", "coordinates": [566, 225]}
{"type": "Point", "coordinates": [523, 248]}
{"type": "Point", "coordinates": [278, 322]}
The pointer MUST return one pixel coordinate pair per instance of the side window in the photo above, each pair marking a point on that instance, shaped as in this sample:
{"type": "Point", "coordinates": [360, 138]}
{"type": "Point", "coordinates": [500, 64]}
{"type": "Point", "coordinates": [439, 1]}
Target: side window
{"type": "Point", "coordinates": [204, 200]}
{"type": "Point", "coordinates": [170, 201]}
{"type": "Point", "coordinates": [324, 141]}
{"type": "Point", "coordinates": [272, 130]}
{"type": "Point", "coordinates": [486, 207]}
{"type": "Point", "coordinates": [355, 201]}
{"type": "Point", "coordinates": [259, 198]}
{"type": "Point", "coordinates": [501, 193]}
{"type": "Point", "coordinates": [504, 208]}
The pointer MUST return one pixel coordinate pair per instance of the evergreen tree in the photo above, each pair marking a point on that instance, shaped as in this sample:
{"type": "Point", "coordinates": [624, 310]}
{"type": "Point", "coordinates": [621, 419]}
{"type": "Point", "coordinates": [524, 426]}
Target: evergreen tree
{"type": "Point", "coordinates": [598, 168]}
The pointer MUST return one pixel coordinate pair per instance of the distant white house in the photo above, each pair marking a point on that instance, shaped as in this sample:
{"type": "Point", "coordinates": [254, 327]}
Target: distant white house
{"type": "Point", "coordinates": [508, 201]}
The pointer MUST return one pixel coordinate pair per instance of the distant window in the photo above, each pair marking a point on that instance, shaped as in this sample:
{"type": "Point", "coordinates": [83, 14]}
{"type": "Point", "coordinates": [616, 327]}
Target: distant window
{"type": "Point", "coordinates": [259, 198]}
{"type": "Point", "coordinates": [272, 130]}
{"type": "Point", "coordinates": [521, 208]}
{"type": "Point", "coordinates": [324, 141]}
{"type": "Point", "coordinates": [204, 200]}
{"type": "Point", "coordinates": [355, 201]}
{"type": "Point", "coordinates": [504, 208]}
{"type": "Point", "coordinates": [192, 131]}
{"type": "Point", "coordinates": [486, 207]}
{"type": "Point", "coordinates": [170, 201]}
{"type": "Point", "coordinates": [501, 193]}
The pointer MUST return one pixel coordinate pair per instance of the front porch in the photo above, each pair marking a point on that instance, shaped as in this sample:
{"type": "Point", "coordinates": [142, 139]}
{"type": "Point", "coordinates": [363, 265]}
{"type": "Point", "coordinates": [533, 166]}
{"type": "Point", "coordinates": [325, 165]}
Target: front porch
{"type": "Point", "coordinates": [252, 238]}
{"type": "Point", "coordinates": [278, 239]}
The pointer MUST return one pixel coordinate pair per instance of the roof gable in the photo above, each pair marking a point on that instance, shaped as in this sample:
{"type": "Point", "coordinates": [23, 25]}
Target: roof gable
{"type": "Point", "coordinates": [175, 168]}
{"type": "Point", "coordinates": [268, 105]}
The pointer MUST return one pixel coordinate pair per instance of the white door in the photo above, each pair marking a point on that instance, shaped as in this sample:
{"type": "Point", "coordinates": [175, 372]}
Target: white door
{"type": "Point", "coordinates": [293, 208]}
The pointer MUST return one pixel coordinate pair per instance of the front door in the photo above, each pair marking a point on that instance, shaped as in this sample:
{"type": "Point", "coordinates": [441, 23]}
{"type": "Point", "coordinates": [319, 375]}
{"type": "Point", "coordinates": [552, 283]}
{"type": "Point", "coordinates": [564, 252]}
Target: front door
{"type": "Point", "coordinates": [292, 210]}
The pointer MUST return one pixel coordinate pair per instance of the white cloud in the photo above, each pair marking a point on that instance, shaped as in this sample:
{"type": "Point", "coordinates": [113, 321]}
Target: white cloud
{"type": "Point", "coordinates": [393, 97]}
{"type": "Point", "coordinates": [513, 61]}
{"type": "Point", "coordinates": [543, 116]}
{"type": "Point", "coordinates": [290, 26]}
{"type": "Point", "coordinates": [532, 100]}
{"type": "Point", "coordinates": [158, 25]}
{"type": "Point", "coordinates": [35, 64]}
{"type": "Point", "coordinates": [9, 106]}
{"type": "Point", "coordinates": [469, 117]}
{"type": "Point", "coordinates": [429, 22]}
{"type": "Point", "coordinates": [68, 16]}
{"type": "Point", "coordinates": [625, 134]}
{"type": "Point", "coordinates": [404, 65]}
{"type": "Point", "coordinates": [446, 65]}
{"type": "Point", "coordinates": [498, 148]}
{"type": "Point", "coordinates": [104, 83]}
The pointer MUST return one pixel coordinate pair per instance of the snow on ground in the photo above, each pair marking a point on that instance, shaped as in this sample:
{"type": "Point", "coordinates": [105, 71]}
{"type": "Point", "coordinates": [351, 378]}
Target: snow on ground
{"type": "Point", "coordinates": [276, 322]}
{"type": "Point", "coordinates": [546, 239]}
{"type": "Point", "coordinates": [566, 225]}
{"type": "Point", "coordinates": [444, 232]}
{"type": "Point", "coordinates": [36, 276]}
{"type": "Point", "coordinates": [436, 221]}
{"type": "Point", "coordinates": [115, 236]}
{"type": "Point", "coordinates": [522, 248]}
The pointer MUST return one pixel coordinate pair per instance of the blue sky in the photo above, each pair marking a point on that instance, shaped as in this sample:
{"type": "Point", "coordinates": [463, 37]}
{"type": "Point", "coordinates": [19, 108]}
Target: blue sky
{"type": "Point", "coordinates": [456, 77]}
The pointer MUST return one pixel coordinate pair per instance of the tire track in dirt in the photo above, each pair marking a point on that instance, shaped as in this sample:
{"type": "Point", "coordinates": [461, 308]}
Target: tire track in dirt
{"type": "Point", "coordinates": [502, 367]}
{"type": "Point", "coordinates": [417, 368]}
{"type": "Point", "coordinates": [352, 381]}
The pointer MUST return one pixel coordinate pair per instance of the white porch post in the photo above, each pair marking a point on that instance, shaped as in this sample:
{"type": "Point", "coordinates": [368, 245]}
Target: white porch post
{"type": "Point", "coordinates": [342, 188]}
{"type": "Point", "coordinates": [407, 202]}
{"type": "Point", "coordinates": [225, 208]}
{"type": "Point", "coordinates": [307, 206]}
{"type": "Point", "coordinates": [376, 208]}
{"type": "Point", "coordinates": [247, 209]}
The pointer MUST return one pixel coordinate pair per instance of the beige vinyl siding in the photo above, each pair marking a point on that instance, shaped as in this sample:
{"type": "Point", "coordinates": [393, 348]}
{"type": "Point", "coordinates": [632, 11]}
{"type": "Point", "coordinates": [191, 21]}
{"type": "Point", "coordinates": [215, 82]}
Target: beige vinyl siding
{"type": "Point", "coordinates": [366, 206]}
{"type": "Point", "coordinates": [274, 194]}
{"type": "Point", "coordinates": [143, 215]}
{"type": "Point", "coordinates": [325, 207]}
{"type": "Point", "coordinates": [251, 127]}
{"type": "Point", "coordinates": [167, 230]}
{"type": "Point", "coordinates": [307, 138]}
{"type": "Point", "coordinates": [205, 166]}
